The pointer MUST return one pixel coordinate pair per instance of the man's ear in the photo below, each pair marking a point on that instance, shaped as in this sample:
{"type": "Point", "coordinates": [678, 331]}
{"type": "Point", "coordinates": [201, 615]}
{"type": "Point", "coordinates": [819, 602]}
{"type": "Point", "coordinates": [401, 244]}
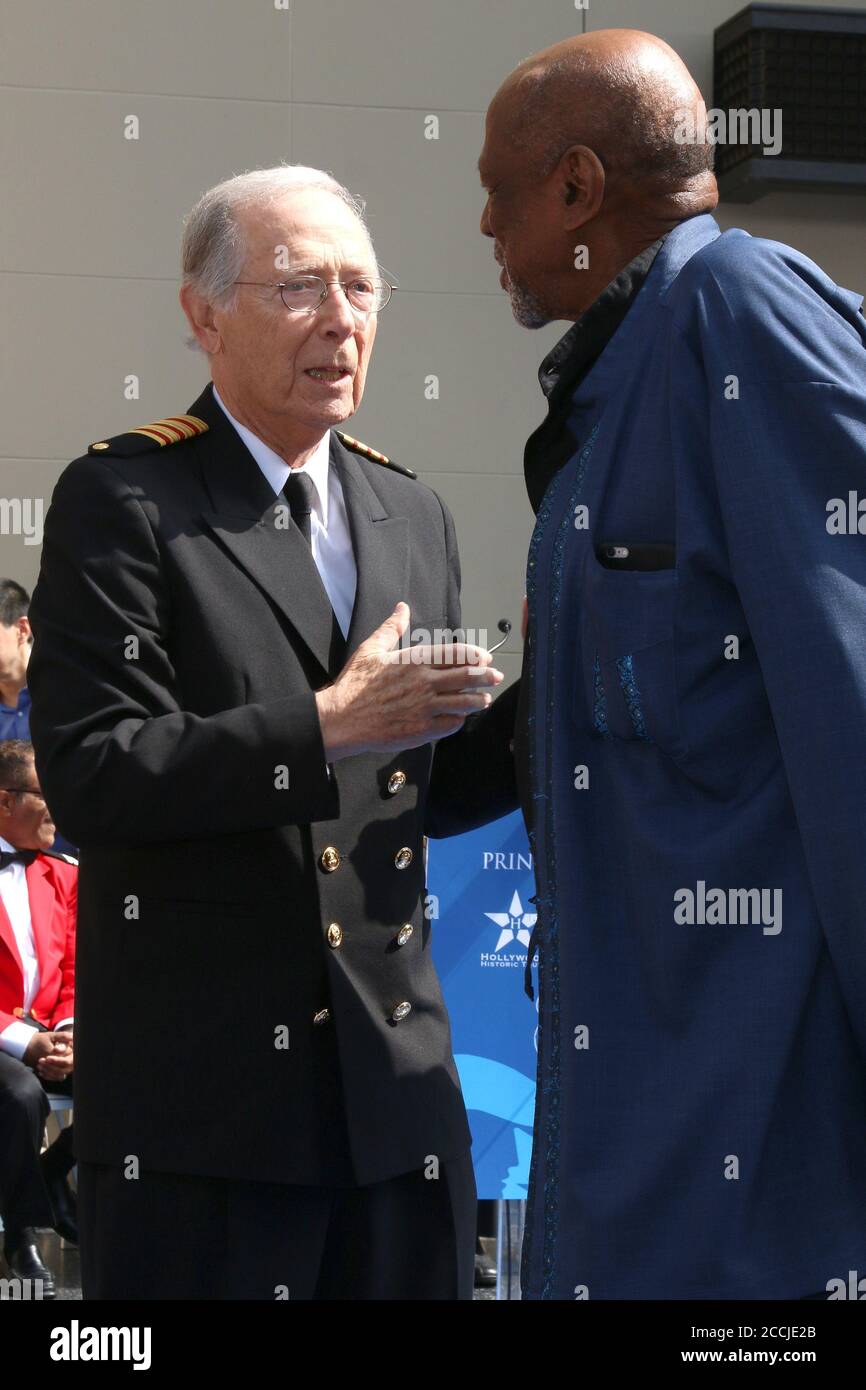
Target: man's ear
{"type": "Point", "coordinates": [581, 179]}
{"type": "Point", "coordinates": [200, 317]}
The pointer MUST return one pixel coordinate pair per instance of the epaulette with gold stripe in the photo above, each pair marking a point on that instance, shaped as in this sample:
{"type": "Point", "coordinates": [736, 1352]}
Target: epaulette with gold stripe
{"type": "Point", "coordinates": [366, 452]}
{"type": "Point", "coordinates": [172, 430]}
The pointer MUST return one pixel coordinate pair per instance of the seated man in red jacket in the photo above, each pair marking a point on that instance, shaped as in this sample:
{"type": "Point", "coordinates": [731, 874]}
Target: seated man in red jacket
{"type": "Point", "coordinates": [38, 899]}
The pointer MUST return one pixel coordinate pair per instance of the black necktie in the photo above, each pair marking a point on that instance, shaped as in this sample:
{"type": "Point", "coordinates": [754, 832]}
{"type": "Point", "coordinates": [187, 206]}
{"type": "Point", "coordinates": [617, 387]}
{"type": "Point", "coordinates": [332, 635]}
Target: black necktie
{"type": "Point", "coordinates": [300, 492]}
{"type": "Point", "coordinates": [16, 856]}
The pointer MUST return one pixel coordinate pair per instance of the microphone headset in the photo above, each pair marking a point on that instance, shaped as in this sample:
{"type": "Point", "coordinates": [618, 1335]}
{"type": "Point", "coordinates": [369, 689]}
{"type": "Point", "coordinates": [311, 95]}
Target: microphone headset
{"type": "Point", "coordinates": [504, 626]}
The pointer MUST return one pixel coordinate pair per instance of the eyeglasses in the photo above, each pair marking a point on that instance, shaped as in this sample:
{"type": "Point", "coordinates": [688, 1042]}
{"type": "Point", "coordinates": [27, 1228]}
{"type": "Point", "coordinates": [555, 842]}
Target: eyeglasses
{"type": "Point", "coordinates": [25, 791]}
{"type": "Point", "coordinates": [304, 294]}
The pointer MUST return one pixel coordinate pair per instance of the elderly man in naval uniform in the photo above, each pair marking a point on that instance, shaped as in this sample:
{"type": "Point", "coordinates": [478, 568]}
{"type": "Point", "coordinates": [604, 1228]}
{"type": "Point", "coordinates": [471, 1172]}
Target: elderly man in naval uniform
{"type": "Point", "coordinates": [238, 733]}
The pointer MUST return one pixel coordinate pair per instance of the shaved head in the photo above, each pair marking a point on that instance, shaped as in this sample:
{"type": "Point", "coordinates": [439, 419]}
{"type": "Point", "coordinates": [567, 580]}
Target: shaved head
{"type": "Point", "coordinates": [584, 170]}
{"type": "Point", "coordinates": [619, 91]}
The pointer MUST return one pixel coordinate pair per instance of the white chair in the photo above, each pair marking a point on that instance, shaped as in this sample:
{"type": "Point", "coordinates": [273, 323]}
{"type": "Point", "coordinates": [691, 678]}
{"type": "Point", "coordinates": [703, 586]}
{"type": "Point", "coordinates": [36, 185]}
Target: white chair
{"type": "Point", "coordinates": [60, 1105]}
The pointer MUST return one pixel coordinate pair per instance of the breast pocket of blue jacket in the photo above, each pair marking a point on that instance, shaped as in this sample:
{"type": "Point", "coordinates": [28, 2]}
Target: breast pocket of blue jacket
{"type": "Point", "coordinates": [627, 689]}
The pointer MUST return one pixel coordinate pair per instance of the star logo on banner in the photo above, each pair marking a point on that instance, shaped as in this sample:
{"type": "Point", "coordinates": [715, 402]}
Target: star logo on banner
{"type": "Point", "coordinates": [515, 924]}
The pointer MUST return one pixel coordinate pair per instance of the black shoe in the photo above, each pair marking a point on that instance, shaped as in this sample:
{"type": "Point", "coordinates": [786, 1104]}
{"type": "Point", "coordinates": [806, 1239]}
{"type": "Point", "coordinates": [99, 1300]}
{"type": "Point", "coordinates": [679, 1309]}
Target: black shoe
{"type": "Point", "coordinates": [25, 1261]}
{"type": "Point", "coordinates": [485, 1270]}
{"type": "Point", "coordinates": [62, 1201]}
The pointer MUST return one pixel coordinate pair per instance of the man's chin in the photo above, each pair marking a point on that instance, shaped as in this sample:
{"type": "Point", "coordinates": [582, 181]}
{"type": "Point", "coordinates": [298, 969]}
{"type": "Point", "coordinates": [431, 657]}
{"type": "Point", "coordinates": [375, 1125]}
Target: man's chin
{"type": "Point", "coordinates": [527, 310]}
{"type": "Point", "coordinates": [530, 318]}
{"type": "Point", "coordinates": [328, 414]}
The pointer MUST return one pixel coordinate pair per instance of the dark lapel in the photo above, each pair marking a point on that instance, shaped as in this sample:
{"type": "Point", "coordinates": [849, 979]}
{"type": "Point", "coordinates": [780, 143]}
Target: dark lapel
{"type": "Point", "coordinates": [381, 544]}
{"type": "Point", "coordinates": [242, 516]}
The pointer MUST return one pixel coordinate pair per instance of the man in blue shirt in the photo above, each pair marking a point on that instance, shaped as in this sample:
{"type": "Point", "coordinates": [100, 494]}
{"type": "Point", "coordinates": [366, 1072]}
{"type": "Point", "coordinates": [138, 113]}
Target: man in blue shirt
{"type": "Point", "coordinates": [15, 643]}
{"type": "Point", "coordinates": [692, 739]}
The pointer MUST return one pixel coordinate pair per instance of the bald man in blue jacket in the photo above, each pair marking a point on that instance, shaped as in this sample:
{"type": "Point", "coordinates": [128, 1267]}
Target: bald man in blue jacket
{"type": "Point", "coordinates": [692, 739]}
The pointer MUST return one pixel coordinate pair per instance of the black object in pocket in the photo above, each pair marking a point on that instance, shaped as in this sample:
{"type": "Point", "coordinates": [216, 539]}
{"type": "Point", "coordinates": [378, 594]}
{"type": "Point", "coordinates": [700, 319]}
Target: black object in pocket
{"type": "Point", "coordinates": [636, 555]}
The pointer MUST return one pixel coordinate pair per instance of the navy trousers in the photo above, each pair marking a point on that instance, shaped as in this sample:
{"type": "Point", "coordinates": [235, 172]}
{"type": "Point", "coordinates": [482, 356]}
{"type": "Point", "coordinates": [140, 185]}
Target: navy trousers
{"type": "Point", "coordinates": [180, 1236]}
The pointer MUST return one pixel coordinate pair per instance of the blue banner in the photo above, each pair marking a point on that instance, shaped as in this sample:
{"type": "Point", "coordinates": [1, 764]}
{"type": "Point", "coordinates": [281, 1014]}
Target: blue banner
{"type": "Point", "coordinates": [480, 887]}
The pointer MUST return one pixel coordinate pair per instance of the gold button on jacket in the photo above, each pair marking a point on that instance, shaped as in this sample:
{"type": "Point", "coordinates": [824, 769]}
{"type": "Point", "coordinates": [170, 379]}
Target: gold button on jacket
{"type": "Point", "coordinates": [335, 935]}
{"type": "Point", "coordinates": [404, 933]}
{"type": "Point", "coordinates": [396, 781]}
{"type": "Point", "coordinates": [403, 857]}
{"type": "Point", "coordinates": [330, 859]}
{"type": "Point", "coordinates": [322, 1016]}
{"type": "Point", "coordinates": [401, 1011]}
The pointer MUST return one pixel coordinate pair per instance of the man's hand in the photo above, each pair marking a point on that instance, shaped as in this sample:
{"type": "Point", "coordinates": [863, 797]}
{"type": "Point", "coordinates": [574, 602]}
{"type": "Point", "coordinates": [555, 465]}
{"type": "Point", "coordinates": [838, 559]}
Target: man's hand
{"type": "Point", "coordinates": [58, 1063]}
{"type": "Point", "coordinates": [387, 698]}
{"type": "Point", "coordinates": [50, 1055]}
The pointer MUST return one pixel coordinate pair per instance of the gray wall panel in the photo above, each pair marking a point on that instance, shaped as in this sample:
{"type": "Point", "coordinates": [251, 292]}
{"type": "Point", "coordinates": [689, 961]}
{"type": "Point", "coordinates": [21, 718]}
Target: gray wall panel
{"type": "Point", "coordinates": [72, 341]}
{"type": "Point", "coordinates": [451, 55]}
{"type": "Point", "coordinates": [217, 48]}
{"type": "Point", "coordinates": [89, 201]}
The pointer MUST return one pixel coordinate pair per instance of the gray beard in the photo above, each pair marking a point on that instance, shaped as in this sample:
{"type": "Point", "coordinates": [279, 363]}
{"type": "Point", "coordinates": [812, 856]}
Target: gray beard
{"type": "Point", "coordinates": [526, 307]}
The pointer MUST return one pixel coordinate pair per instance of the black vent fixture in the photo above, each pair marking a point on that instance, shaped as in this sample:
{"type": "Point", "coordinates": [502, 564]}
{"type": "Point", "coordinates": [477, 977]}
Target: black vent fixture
{"type": "Point", "coordinates": [809, 64]}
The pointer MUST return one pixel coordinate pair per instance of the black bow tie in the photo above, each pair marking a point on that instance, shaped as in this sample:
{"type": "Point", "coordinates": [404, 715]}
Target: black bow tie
{"type": "Point", "coordinates": [16, 856]}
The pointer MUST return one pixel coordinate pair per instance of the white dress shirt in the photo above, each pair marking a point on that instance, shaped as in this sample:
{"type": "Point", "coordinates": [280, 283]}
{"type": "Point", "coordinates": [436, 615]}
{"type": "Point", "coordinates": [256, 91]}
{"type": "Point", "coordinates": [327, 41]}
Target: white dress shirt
{"type": "Point", "coordinates": [16, 900]}
{"type": "Point", "coordinates": [330, 537]}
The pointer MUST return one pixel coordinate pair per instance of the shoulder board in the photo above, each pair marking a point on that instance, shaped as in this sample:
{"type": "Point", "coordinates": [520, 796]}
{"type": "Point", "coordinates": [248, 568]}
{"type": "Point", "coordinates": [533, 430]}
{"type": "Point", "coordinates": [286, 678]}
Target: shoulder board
{"type": "Point", "coordinates": [58, 854]}
{"type": "Point", "coordinates": [172, 430]}
{"type": "Point", "coordinates": [366, 452]}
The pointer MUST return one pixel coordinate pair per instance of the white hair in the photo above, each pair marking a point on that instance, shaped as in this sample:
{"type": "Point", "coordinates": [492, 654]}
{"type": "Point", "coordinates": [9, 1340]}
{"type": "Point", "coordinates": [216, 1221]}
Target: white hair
{"type": "Point", "coordinates": [214, 251]}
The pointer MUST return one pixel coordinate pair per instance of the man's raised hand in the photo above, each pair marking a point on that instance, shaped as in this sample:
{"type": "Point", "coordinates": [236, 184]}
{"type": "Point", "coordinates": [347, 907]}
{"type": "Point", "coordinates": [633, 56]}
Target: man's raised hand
{"type": "Point", "coordinates": [389, 697]}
